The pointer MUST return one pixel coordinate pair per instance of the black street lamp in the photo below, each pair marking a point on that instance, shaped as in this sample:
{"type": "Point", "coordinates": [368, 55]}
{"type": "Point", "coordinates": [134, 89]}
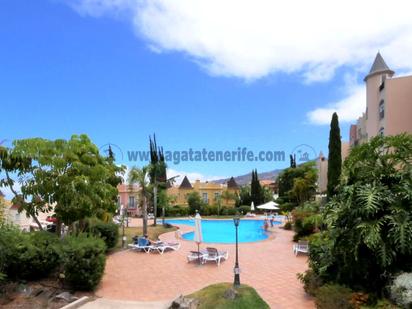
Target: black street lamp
{"type": "Point", "coordinates": [236, 270]}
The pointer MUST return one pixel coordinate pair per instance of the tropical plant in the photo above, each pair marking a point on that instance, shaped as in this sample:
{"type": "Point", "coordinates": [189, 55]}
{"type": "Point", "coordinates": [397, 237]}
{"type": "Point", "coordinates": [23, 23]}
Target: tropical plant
{"type": "Point", "coordinates": [370, 219]}
{"type": "Point", "coordinates": [140, 177]}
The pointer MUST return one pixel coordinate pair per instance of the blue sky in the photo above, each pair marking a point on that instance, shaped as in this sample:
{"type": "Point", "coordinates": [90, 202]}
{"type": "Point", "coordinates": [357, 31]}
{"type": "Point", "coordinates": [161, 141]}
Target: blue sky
{"type": "Point", "coordinates": [122, 70]}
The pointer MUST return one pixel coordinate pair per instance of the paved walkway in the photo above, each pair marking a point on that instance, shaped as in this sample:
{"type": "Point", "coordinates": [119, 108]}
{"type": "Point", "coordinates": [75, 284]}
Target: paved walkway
{"type": "Point", "coordinates": [269, 266]}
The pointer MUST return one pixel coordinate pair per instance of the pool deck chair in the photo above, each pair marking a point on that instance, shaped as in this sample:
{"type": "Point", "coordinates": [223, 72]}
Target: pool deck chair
{"type": "Point", "coordinates": [161, 246]}
{"type": "Point", "coordinates": [212, 254]}
{"type": "Point", "coordinates": [195, 256]}
{"type": "Point", "coordinates": [301, 246]}
{"type": "Point", "coordinates": [141, 245]}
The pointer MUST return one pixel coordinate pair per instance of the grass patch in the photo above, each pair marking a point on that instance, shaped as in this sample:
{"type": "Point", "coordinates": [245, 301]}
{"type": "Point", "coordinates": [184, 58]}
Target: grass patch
{"type": "Point", "coordinates": [152, 231]}
{"type": "Point", "coordinates": [212, 297]}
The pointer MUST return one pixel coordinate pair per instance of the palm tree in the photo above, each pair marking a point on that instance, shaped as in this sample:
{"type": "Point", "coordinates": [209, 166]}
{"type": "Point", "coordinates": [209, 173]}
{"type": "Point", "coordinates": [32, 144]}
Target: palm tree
{"type": "Point", "coordinates": [139, 176]}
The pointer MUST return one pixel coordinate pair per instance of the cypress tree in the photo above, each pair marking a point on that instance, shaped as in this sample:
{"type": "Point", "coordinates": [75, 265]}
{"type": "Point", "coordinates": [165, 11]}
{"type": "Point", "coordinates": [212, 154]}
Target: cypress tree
{"type": "Point", "coordinates": [111, 153]}
{"type": "Point", "coordinates": [335, 156]}
{"type": "Point", "coordinates": [256, 192]}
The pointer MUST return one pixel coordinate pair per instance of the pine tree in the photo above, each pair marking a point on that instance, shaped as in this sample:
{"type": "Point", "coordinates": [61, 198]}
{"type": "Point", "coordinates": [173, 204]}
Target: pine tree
{"type": "Point", "coordinates": [335, 156]}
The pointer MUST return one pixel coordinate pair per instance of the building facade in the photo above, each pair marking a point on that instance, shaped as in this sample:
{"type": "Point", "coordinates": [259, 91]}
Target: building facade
{"type": "Point", "coordinates": [129, 198]}
{"type": "Point", "coordinates": [388, 104]}
{"type": "Point", "coordinates": [210, 192]}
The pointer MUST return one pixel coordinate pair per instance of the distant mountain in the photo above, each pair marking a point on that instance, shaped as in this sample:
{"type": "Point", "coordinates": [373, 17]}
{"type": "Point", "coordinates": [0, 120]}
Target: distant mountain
{"type": "Point", "coordinates": [246, 179]}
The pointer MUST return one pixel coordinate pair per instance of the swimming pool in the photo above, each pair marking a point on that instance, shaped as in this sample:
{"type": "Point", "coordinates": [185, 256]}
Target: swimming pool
{"type": "Point", "coordinates": [223, 231]}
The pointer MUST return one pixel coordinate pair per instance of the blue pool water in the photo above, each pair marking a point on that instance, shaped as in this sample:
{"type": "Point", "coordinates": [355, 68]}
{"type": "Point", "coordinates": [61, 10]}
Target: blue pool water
{"type": "Point", "coordinates": [223, 231]}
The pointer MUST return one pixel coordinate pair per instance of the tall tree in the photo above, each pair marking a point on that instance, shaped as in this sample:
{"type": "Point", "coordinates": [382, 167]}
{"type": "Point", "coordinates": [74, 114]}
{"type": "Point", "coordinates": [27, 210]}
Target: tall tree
{"type": "Point", "coordinates": [71, 175]}
{"type": "Point", "coordinates": [157, 173]}
{"type": "Point", "coordinates": [256, 192]}
{"type": "Point", "coordinates": [110, 153]}
{"type": "Point", "coordinates": [292, 160]}
{"type": "Point", "coordinates": [335, 156]}
{"type": "Point", "coordinates": [139, 177]}
{"type": "Point", "coordinates": [293, 190]}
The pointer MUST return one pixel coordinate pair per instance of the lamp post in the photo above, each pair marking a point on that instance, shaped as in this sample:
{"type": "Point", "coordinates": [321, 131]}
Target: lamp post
{"type": "Point", "coordinates": [122, 210]}
{"type": "Point", "coordinates": [236, 270]}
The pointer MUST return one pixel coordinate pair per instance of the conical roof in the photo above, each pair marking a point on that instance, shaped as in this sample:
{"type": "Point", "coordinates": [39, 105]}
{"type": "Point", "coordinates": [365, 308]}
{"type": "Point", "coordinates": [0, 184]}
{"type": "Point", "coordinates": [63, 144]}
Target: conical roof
{"type": "Point", "coordinates": [379, 66]}
{"type": "Point", "coordinates": [185, 184]}
{"type": "Point", "coordinates": [231, 184]}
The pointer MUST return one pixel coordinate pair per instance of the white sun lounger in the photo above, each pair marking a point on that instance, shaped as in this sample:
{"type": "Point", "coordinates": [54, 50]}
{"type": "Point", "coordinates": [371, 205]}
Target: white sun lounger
{"type": "Point", "coordinates": [145, 248]}
{"type": "Point", "coordinates": [212, 254]}
{"type": "Point", "coordinates": [195, 256]}
{"type": "Point", "coordinates": [161, 247]}
{"type": "Point", "coordinates": [301, 246]}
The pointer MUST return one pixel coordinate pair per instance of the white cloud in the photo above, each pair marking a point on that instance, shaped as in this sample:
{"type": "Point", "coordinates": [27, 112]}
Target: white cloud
{"type": "Point", "coordinates": [192, 176]}
{"type": "Point", "coordinates": [7, 192]}
{"type": "Point", "coordinates": [348, 109]}
{"type": "Point", "coordinates": [251, 39]}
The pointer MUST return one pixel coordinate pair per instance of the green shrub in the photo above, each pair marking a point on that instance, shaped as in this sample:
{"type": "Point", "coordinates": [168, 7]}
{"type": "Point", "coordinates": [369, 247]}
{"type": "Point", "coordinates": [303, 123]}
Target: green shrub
{"type": "Point", "coordinates": [176, 211]}
{"type": "Point", "coordinates": [109, 232]}
{"type": "Point", "coordinates": [333, 296]}
{"type": "Point", "coordinates": [228, 211]}
{"type": "Point", "coordinates": [243, 209]}
{"type": "Point", "coordinates": [288, 226]}
{"type": "Point", "coordinates": [321, 258]}
{"type": "Point", "coordinates": [29, 255]}
{"type": "Point", "coordinates": [83, 261]}
{"type": "Point", "coordinates": [311, 282]}
{"type": "Point", "coordinates": [209, 210]}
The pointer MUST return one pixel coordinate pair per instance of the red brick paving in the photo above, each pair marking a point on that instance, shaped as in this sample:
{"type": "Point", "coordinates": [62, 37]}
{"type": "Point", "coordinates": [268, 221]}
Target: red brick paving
{"type": "Point", "coordinates": [269, 266]}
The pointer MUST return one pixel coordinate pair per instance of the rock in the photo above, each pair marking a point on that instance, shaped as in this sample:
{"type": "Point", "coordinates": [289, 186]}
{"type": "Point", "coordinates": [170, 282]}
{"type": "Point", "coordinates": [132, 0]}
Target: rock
{"type": "Point", "coordinates": [182, 302]}
{"type": "Point", "coordinates": [68, 297]}
{"type": "Point", "coordinates": [25, 289]}
{"type": "Point", "coordinates": [230, 294]}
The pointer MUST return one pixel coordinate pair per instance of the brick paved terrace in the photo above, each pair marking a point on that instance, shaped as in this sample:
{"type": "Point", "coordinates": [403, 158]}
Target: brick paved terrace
{"type": "Point", "coordinates": [269, 266]}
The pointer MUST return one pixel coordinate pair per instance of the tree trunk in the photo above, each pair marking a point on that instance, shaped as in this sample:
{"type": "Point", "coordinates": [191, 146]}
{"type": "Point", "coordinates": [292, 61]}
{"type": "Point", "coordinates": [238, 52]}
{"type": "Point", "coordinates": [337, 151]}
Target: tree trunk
{"type": "Point", "coordinates": [59, 228]}
{"type": "Point", "coordinates": [144, 216]}
{"type": "Point", "coordinates": [155, 204]}
{"type": "Point", "coordinates": [37, 222]}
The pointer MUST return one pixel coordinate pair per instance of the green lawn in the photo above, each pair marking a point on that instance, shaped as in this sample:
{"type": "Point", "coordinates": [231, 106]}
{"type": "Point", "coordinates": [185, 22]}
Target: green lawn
{"type": "Point", "coordinates": [212, 297]}
{"type": "Point", "coordinates": [152, 231]}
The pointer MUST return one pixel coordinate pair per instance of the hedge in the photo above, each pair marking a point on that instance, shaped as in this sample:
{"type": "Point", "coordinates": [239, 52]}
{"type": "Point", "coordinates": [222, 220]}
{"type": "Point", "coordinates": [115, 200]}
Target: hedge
{"type": "Point", "coordinates": [83, 261]}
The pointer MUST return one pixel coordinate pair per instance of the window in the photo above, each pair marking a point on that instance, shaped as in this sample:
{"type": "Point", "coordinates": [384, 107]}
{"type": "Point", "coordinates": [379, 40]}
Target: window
{"type": "Point", "coordinates": [381, 131]}
{"type": "Point", "coordinates": [382, 85]}
{"type": "Point", "coordinates": [217, 195]}
{"type": "Point", "coordinates": [204, 197]}
{"type": "Point", "coordinates": [381, 109]}
{"type": "Point", "coordinates": [118, 202]}
{"type": "Point", "coordinates": [131, 202]}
